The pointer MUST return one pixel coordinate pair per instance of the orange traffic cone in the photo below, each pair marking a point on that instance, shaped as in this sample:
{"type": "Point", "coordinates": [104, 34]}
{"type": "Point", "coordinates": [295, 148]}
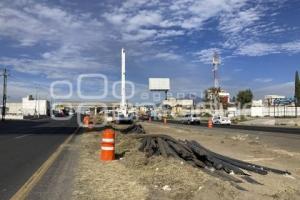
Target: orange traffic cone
{"type": "Point", "coordinates": [210, 124]}
{"type": "Point", "coordinates": [108, 145]}
{"type": "Point", "coordinates": [165, 120]}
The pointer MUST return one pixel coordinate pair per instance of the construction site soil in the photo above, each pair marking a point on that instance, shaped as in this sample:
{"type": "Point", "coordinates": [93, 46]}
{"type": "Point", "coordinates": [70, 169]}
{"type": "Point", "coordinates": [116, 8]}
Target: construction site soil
{"type": "Point", "coordinates": [134, 176]}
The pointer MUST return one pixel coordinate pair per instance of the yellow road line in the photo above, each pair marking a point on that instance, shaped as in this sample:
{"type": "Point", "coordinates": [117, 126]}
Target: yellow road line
{"type": "Point", "coordinates": [23, 192]}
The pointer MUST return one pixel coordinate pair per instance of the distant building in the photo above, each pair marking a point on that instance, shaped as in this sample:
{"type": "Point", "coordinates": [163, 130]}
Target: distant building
{"type": "Point", "coordinates": [218, 94]}
{"type": "Point", "coordinates": [269, 99]}
{"type": "Point", "coordinates": [28, 107]}
{"type": "Point", "coordinates": [178, 106]}
{"type": "Point", "coordinates": [257, 103]}
{"type": "Point", "coordinates": [224, 97]}
{"type": "Point", "coordinates": [173, 102]}
{"type": "Point", "coordinates": [31, 106]}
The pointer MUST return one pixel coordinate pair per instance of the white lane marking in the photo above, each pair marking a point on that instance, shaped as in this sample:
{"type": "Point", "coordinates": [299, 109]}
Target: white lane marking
{"type": "Point", "coordinates": [22, 136]}
{"type": "Point", "coordinates": [23, 192]}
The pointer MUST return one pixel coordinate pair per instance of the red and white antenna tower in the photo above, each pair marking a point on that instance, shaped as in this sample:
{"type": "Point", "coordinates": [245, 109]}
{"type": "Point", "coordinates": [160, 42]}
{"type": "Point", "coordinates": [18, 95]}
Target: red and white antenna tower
{"type": "Point", "coordinates": [215, 64]}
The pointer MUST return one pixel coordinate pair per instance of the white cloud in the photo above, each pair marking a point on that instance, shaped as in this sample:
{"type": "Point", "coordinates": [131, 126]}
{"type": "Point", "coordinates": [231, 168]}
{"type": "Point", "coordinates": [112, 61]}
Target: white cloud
{"type": "Point", "coordinates": [291, 47]}
{"type": "Point", "coordinates": [141, 34]}
{"type": "Point", "coordinates": [286, 89]}
{"type": "Point", "coordinates": [257, 49]}
{"type": "Point", "coordinates": [170, 33]}
{"type": "Point", "coordinates": [131, 16]}
{"type": "Point", "coordinates": [168, 56]}
{"type": "Point", "coordinates": [36, 23]}
{"type": "Point", "coordinates": [263, 80]}
{"type": "Point", "coordinates": [205, 55]}
{"type": "Point", "coordinates": [66, 36]}
{"type": "Point", "coordinates": [260, 49]}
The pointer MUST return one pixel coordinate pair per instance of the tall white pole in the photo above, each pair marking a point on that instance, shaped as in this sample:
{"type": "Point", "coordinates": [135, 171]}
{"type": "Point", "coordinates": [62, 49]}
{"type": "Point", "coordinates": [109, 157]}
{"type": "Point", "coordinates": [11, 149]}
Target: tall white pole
{"type": "Point", "coordinates": [123, 79]}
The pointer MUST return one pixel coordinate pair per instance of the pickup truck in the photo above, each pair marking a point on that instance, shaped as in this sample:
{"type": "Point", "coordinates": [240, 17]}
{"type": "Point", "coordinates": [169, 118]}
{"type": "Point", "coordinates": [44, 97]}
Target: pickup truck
{"type": "Point", "coordinates": [122, 119]}
{"type": "Point", "coordinates": [191, 119]}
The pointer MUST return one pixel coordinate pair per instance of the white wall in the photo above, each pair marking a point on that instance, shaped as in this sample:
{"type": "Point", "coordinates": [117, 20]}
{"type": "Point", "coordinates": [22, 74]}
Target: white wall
{"type": "Point", "coordinates": [278, 111]}
{"type": "Point", "coordinates": [15, 117]}
{"type": "Point", "coordinates": [29, 107]}
{"type": "Point", "coordinates": [257, 112]}
{"type": "Point", "coordinates": [14, 108]}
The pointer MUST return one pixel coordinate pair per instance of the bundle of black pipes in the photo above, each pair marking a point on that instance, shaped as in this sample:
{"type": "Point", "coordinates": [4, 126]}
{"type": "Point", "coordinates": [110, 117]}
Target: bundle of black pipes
{"type": "Point", "coordinates": [197, 155]}
{"type": "Point", "coordinates": [134, 128]}
{"type": "Point", "coordinates": [193, 153]}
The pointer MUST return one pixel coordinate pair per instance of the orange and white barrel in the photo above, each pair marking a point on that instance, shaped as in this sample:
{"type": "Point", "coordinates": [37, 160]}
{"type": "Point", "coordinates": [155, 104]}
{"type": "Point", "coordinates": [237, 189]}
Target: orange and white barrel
{"type": "Point", "coordinates": [165, 120]}
{"type": "Point", "coordinates": [86, 120]}
{"type": "Point", "coordinates": [107, 145]}
{"type": "Point", "coordinates": [210, 124]}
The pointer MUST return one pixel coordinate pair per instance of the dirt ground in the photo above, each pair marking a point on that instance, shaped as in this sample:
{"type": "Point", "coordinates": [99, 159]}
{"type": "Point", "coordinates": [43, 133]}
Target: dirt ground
{"type": "Point", "coordinates": [281, 122]}
{"type": "Point", "coordinates": [133, 176]}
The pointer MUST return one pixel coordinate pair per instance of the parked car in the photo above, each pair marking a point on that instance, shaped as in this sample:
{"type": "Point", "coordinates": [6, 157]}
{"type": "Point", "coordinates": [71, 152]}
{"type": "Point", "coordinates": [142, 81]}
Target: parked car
{"type": "Point", "coordinates": [221, 120]}
{"type": "Point", "coordinates": [191, 119]}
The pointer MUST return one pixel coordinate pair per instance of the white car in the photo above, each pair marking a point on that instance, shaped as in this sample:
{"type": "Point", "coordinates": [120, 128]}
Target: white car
{"type": "Point", "coordinates": [221, 120]}
{"type": "Point", "coordinates": [191, 119]}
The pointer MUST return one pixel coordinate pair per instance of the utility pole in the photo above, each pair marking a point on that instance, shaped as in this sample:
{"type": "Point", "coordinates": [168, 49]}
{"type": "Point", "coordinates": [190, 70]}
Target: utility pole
{"type": "Point", "coordinates": [35, 101]}
{"type": "Point", "coordinates": [215, 64]}
{"type": "Point", "coordinates": [4, 94]}
{"type": "Point", "coordinates": [123, 82]}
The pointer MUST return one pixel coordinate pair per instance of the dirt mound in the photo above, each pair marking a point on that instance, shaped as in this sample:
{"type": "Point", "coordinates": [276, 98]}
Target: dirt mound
{"type": "Point", "coordinates": [170, 178]}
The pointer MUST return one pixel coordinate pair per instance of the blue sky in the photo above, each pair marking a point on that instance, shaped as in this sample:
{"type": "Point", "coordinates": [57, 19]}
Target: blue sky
{"type": "Point", "coordinates": [45, 41]}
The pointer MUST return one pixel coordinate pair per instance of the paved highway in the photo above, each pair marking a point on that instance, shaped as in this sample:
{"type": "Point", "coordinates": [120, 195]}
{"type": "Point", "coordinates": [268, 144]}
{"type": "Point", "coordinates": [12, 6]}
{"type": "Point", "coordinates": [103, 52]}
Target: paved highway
{"type": "Point", "coordinates": [283, 138]}
{"type": "Point", "coordinates": [272, 129]}
{"type": "Point", "coordinates": [25, 146]}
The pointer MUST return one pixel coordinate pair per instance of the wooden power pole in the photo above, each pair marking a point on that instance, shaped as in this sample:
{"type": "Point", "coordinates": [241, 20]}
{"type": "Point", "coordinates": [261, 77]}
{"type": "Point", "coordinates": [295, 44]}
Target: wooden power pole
{"type": "Point", "coordinates": [4, 94]}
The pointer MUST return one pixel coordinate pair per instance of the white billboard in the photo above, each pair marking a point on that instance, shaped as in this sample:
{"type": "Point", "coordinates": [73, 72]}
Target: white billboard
{"type": "Point", "coordinates": [159, 84]}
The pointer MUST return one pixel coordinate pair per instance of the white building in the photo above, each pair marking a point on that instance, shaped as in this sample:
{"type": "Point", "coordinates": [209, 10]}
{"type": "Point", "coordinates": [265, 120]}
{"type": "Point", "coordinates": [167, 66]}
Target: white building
{"type": "Point", "coordinates": [269, 99]}
{"type": "Point", "coordinates": [173, 102]}
{"type": "Point", "coordinates": [31, 106]}
{"type": "Point", "coordinates": [28, 107]}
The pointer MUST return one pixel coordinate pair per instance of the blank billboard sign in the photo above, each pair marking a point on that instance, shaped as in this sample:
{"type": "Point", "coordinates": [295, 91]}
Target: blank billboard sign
{"type": "Point", "coordinates": [159, 84]}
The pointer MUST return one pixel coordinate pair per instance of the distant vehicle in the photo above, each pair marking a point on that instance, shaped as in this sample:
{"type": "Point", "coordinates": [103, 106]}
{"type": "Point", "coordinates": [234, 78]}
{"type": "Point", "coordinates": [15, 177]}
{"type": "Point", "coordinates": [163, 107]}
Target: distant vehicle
{"type": "Point", "coordinates": [71, 113]}
{"type": "Point", "coordinates": [191, 119]}
{"type": "Point", "coordinates": [109, 116]}
{"type": "Point", "coordinates": [144, 117]}
{"type": "Point", "coordinates": [120, 118]}
{"type": "Point", "coordinates": [221, 120]}
{"type": "Point", "coordinates": [57, 114]}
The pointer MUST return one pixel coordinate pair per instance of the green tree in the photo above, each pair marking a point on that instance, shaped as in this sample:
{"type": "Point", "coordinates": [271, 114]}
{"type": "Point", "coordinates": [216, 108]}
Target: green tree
{"type": "Point", "coordinates": [297, 89]}
{"type": "Point", "coordinates": [211, 93]}
{"type": "Point", "coordinates": [233, 99]}
{"type": "Point", "coordinates": [244, 97]}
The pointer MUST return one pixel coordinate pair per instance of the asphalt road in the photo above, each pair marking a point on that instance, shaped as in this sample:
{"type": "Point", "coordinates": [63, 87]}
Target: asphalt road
{"type": "Point", "coordinates": [283, 140]}
{"type": "Point", "coordinates": [272, 129]}
{"type": "Point", "coordinates": [24, 146]}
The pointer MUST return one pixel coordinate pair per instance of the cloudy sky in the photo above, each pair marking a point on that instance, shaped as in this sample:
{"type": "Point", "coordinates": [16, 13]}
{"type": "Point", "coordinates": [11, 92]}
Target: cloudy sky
{"type": "Point", "coordinates": [44, 41]}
